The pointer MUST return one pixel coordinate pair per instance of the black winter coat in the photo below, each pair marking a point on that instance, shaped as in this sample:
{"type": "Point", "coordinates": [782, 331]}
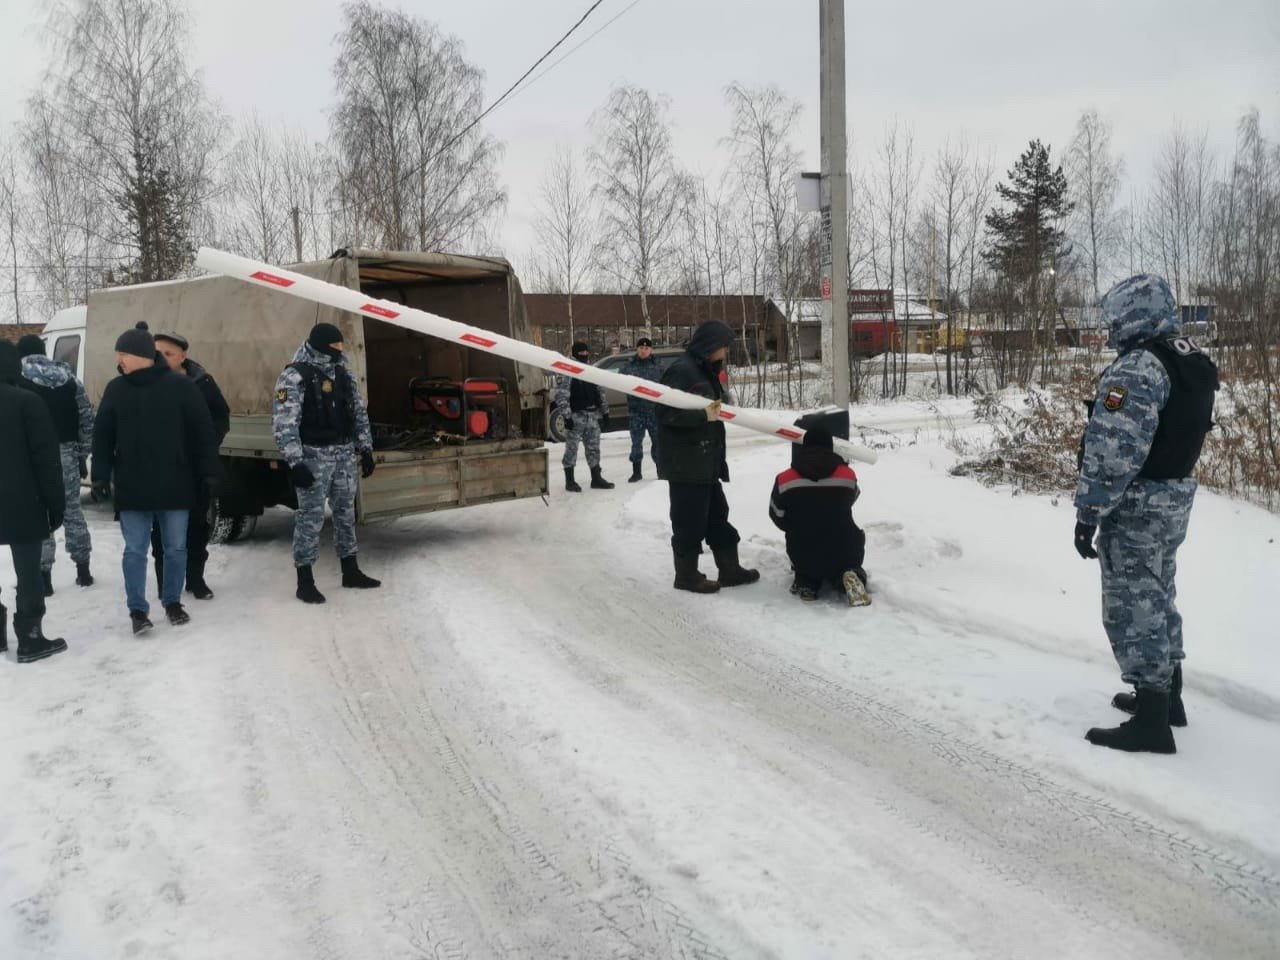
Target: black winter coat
{"type": "Point", "coordinates": [213, 398]}
{"type": "Point", "coordinates": [154, 440]}
{"type": "Point", "coordinates": [690, 448]}
{"type": "Point", "coordinates": [30, 467]}
{"type": "Point", "coordinates": [813, 504]}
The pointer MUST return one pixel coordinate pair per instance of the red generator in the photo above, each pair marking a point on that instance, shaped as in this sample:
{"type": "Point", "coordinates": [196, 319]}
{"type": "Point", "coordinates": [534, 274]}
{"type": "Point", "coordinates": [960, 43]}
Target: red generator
{"type": "Point", "coordinates": [475, 408]}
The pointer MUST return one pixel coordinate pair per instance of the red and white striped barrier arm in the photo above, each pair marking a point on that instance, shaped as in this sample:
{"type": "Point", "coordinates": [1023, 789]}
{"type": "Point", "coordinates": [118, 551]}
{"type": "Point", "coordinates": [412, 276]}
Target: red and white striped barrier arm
{"type": "Point", "coordinates": [353, 301]}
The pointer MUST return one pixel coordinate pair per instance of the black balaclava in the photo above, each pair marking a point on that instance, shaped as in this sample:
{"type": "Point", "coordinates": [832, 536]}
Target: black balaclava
{"type": "Point", "coordinates": [580, 351]}
{"type": "Point", "coordinates": [322, 338]}
{"type": "Point", "coordinates": [31, 346]}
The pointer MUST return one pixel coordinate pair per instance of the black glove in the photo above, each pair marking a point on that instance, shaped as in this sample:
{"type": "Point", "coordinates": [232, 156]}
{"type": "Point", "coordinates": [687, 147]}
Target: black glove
{"type": "Point", "coordinates": [1084, 540]}
{"type": "Point", "coordinates": [301, 476]}
{"type": "Point", "coordinates": [568, 423]}
{"type": "Point", "coordinates": [84, 469]}
{"type": "Point", "coordinates": [55, 521]}
{"type": "Point", "coordinates": [102, 489]}
{"type": "Point", "coordinates": [366, 463]}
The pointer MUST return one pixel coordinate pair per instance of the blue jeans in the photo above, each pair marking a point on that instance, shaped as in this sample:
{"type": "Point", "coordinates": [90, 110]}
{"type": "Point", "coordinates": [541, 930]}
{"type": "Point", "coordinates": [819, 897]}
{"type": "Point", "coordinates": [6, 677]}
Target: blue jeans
{"type": "Point", "coordinates": [135, 525]}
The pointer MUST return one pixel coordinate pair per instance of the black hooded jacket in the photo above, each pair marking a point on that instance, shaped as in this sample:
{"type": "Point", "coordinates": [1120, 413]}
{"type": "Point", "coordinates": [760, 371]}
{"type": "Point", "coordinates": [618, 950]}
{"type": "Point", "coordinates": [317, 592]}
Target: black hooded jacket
{"type": "Point", "coordinates": [213, 398]}
{"type": "Point", "coordinates": [154, 440]}
{"type": "Point", "coordinates": [812, 503]}
{"type": "Point", "coordinates": [691, 449]}
{"type": "Point", "coordinates": [30, 464]}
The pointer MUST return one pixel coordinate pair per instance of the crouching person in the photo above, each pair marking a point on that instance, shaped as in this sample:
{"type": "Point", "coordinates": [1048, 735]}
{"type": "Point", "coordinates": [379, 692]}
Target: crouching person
{"type": "Point", "coordinates": [812, 503]}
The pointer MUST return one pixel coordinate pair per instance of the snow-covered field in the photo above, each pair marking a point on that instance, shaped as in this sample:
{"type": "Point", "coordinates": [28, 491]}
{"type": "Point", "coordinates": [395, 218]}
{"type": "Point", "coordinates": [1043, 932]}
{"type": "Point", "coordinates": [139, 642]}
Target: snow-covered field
{"type": "Point", "coordinates": [527, 745]}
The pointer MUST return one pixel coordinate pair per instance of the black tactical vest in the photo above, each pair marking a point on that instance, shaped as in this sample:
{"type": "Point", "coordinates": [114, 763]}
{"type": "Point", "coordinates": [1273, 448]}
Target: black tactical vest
{"type": "Point", "coordinates": [1188, 415]}
{"type": "Point", "coordinates": [327, 418]}
{"type": "Point", "coordinates": [61, 402]}
{"type": "Point", "coordinates": [583, 396]}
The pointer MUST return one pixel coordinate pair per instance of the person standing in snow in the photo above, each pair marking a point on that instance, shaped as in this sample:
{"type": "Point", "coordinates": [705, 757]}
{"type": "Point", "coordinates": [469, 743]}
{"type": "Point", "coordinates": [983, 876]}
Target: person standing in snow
{"type": "Point", "coordinates": [321, 426]}
{"type": "Point", "coordinates": [812, 503]}
{"type": "Point", "coordinates": [64, 396]}
{"type": "Point", "coordinates": [642, 415]}
{"type": "Point", "coordinates": [173, 347]}
{"type": "Point", "coordinates": [31, 504]}
{"type": "Point", "coordinates": [1153, 409]}
{"type": "Point", "coordinates": [691, 458]}
{"type": "Point", "coordinates": [153, 441]}
{"type": "Point", "coordinates": [584, 407]}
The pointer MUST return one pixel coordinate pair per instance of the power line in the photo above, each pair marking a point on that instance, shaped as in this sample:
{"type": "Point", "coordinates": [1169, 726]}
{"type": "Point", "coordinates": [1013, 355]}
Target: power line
{"type": "Point", "coordinates": [506, 93]}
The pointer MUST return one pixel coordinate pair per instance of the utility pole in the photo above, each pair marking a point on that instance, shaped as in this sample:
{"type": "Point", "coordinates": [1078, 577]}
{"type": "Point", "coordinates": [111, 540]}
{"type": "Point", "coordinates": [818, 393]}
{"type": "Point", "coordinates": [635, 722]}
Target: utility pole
{"type": "Point", "coordinates": [835, 200]}
{"type": "Point", "coordinates": [296, 215]}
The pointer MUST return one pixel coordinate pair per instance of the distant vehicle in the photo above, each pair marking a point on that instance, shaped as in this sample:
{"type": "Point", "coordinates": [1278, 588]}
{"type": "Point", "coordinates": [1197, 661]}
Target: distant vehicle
{"type": "Point", "coordinates": [868, 338]}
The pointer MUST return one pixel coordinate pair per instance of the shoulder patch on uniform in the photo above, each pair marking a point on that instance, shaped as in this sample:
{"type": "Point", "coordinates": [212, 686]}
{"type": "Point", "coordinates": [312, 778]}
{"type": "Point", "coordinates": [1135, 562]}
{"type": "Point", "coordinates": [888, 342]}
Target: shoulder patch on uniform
{"type": "Point", "coordinates": [282, 395]}
{"type": "Point", "coordinates": [1115, 397]}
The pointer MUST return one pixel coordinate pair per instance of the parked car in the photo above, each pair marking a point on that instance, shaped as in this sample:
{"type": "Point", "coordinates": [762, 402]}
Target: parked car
{"type": "Point", "coordinates": [617, 419]}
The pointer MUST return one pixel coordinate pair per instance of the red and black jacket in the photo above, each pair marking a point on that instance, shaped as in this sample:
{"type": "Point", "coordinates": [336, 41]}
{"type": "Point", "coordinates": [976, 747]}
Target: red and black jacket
{"type": "Point", "coordinates": [812, 503]}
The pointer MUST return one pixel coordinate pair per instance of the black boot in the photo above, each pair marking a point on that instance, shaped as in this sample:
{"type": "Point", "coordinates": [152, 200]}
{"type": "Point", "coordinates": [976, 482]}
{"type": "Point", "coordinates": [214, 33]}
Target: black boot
{"type": "Point", "coordinates": [4, 629]}
{"type": "Point", "coordinates": [83, 577]}
{"type": "Point", "coordinates": [177, 614]}
{"type": "Point", "coordinates": [733, 573]}
{"type": "Point", "coordinates": [159, 563]}
{"type": "Point", "coordinates": [635, 472]}
{"type": "Point", "coordinates": [688, 576]}
{"type": "Point", "coordinates": [140, 622]}
{"type": "Point", "coordinates": [1147, 732]}
{"type": "Point", "coordinates": [598, 482]}
{"type": "Point", "coordinates": [307, 591]}
{"type": "Point", "coordinates": [1128, 702]}
{"type": "Point", "coordinates": [195, 582]}
{"type": "Point", "coordinates": [33, 645]}
{"type": "Point", "coordinates": [48, 583]}
{"type": "Point", "coordinates": [353, 576]}
{"type": "Point", "coordinates": [569, 483]}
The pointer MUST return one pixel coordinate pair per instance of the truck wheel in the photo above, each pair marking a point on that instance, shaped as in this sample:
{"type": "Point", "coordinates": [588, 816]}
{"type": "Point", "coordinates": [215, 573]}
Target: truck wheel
{"type": "Point", "coordinates": [228, 528]}
{"type": "Point", "coordinates": [555, 427]}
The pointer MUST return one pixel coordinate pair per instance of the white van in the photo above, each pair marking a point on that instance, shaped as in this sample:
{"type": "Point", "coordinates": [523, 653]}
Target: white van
{"type": "Point", "coordinates": [64, 337]}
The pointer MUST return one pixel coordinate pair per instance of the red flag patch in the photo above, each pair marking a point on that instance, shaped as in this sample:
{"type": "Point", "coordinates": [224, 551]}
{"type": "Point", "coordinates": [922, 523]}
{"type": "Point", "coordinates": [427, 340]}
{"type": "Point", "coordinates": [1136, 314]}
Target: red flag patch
{"type": "Point", "coordinates": [1115, 397]}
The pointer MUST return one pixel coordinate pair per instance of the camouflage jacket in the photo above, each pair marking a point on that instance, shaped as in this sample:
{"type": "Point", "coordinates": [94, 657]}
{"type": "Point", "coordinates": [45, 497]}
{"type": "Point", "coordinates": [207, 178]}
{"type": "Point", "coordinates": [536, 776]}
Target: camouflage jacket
{"type": "Point", "coordinates": [286, 405]}
{"type": "Point", "coordinates": [45, 372]}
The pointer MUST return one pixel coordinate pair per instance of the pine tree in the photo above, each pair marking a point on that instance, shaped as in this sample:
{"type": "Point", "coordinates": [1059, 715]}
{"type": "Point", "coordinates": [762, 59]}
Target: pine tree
{"type": "Point", "coordinates": [1024, 238]}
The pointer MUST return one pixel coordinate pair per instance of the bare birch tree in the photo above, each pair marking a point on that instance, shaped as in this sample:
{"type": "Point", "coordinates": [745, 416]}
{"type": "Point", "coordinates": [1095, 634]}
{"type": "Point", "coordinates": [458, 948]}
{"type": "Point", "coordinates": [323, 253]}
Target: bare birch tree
{"type": "Point", "coordinates": [414, 171]}
{"type": "Point", "coordinates": [640, 190]}
{"type": "Point", "coordinates": [1094, 175]}
{"type": "Point", "coordinates": [564, 229]}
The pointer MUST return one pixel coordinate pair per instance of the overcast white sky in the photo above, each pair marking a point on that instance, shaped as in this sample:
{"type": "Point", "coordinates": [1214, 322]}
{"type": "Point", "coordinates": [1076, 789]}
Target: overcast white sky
{"type": "Point", "coordinates": [1000, 71]}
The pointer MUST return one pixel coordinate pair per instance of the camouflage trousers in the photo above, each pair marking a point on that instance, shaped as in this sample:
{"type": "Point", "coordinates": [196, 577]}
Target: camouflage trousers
{"type": "Point", "coordinates": [1137, 548]}
{"type": "Point", "coordinates": [335, 471]}
{"type": "Point", "coordinates": [586, 428]}
{"type": "Point", "coordinates": [75, 532]}
{"type": "Point", "coordinates": [642, 421]}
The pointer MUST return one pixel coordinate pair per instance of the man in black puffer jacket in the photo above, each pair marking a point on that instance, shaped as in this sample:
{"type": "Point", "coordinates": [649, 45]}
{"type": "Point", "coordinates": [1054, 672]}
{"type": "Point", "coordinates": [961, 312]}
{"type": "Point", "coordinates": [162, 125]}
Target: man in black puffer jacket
{"type": "Point", "coordinates": [154, 440]}
{"type": "Point", "coordinates": [812, 503]}
{"type": "Point", "coordinates": [173, 347]}
{"type": "Point", "coordinates": [691, 458]}
{"type": "Point", "coordinates": [31, 503]}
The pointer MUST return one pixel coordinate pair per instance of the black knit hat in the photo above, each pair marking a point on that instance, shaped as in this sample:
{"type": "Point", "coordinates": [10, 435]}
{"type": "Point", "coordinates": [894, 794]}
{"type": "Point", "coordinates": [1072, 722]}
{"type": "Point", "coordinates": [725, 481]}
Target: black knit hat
{"type": "Point", "coordinates": [137, 342]}
{"type": "Point", "coordinates": [31, 346]}
{"type": "Point", "coordinates": [177, 339]}
{"type": "Point", "coordinates": [10, 365]}
{"type": "Point", "coordinates": [644, 342]}
{"type": "Point", "coordinates": [579, 347]}
{"type": "Point", "coordinates": [817, 437]}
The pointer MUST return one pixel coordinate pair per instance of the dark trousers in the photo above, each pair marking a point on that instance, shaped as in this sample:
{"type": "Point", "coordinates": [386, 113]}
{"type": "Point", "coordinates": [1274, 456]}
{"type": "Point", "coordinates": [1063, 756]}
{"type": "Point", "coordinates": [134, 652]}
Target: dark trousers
{"type": "Point", "coordinates": [197, 542]}
{"type": "Point", "coordinates": [29, 607]}
{"type": "Point", "coordinates": [699, 511]}
{"type": "Point", "coordinates": [828, 565]}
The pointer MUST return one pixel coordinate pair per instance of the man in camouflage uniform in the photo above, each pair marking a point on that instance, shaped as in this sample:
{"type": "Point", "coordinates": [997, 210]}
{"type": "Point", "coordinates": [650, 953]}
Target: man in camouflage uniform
{"type": "Point", "coordinates": [642, 414]}
{"type": "Point", "coordinates": [55, 384]}
{"type": "Point", "coordinates": [320, 422]}
{"type": "Point", "coordinates": [1149, 420]}
{"type": "Point", "coordinates": [583, 406]}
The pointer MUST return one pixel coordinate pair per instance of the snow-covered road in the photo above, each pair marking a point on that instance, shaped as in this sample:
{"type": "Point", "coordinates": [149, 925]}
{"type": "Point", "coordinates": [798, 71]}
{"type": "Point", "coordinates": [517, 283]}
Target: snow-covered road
{"type": "Point", "coordinates": [526, 745]}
